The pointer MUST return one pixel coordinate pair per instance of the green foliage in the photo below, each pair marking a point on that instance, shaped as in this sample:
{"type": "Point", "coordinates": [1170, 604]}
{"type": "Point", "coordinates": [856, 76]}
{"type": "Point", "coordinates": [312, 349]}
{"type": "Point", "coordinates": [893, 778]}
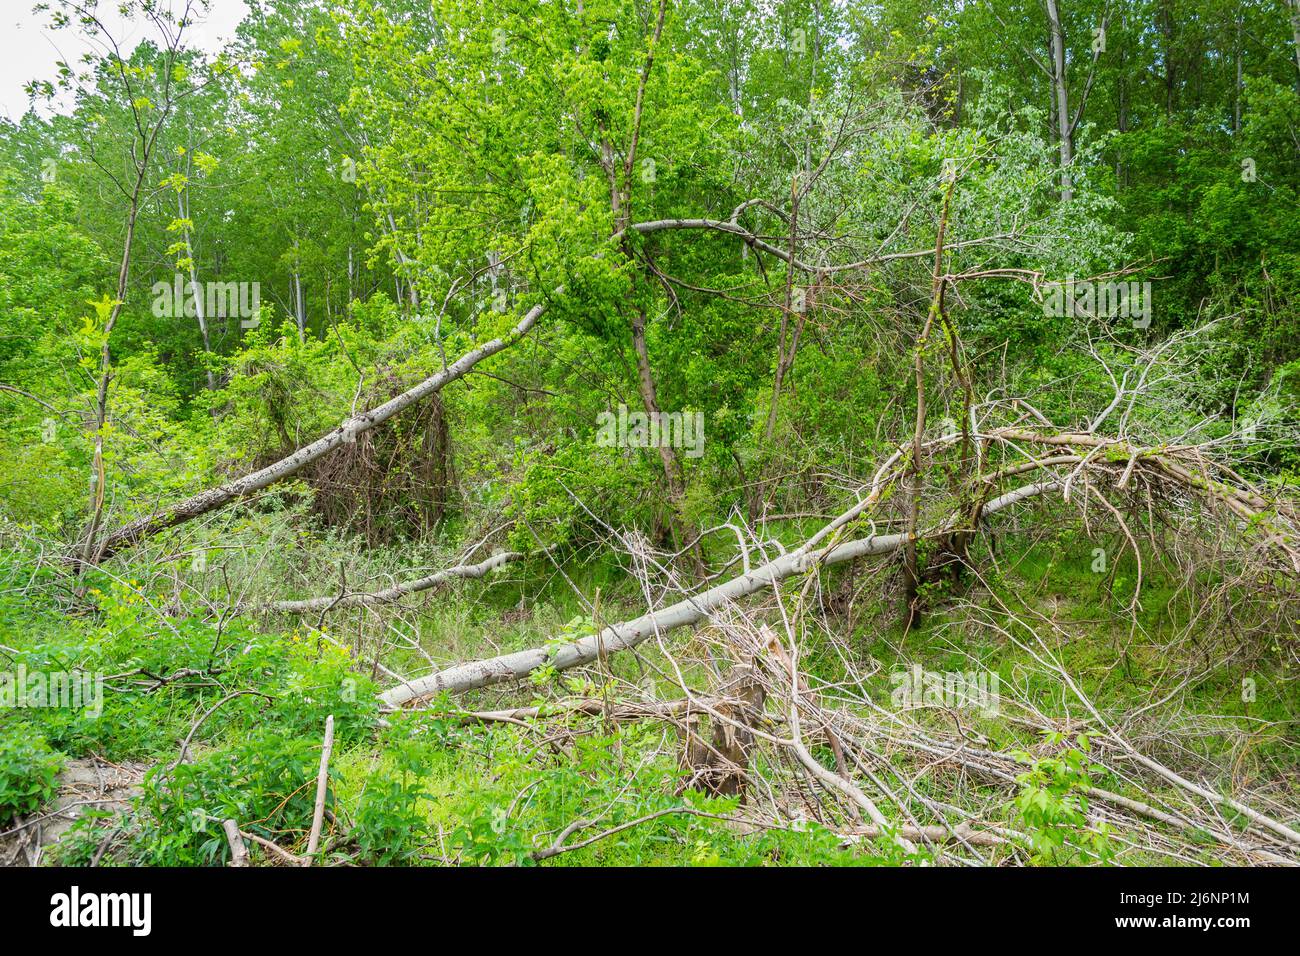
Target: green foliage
{"type": "Point", "coordinates": [29, 770]}
{"type": "Point", "coordinates": [1052, 802]}
{"type": "Point", "coordinates": [264, 779]}
{"type": "Point", "coordinates": [390, 824]}
{"type": "Point", "coordinates": [403, 179]}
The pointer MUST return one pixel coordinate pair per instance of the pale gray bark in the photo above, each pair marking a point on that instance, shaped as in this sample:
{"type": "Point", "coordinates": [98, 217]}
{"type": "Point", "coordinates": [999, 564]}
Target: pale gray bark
{"type": "Point", "coordinates": [1295, 36]}
{"type": "Point", "coordinates": [240, 488]}
{"type": "Point", "coordinates": [322, 784]}
{"type": "Point", "coordinates": [182, 210]}
{"type": "Point", "coordinates": [397, 591]}
{"type": "Point", "coordinates": [1065, 134]}
{"type": "Point", "coordinates": [691, 610]}
{"type": "Point", "coordinates": [299, 313]}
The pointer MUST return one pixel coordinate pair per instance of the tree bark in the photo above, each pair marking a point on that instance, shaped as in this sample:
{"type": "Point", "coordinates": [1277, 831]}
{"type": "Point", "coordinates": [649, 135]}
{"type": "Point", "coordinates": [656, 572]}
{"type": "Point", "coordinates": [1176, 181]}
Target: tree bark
{"type": "Point", "coordinates": [182, 210]}
{"type": "Point", "coordinates": [397, 591]}
{"type": "Point", "coordinates": [1065, 133]}
{"type": "Point", "coordinates": [911, 561]}
{"type": "Point", "coordinates": [1295, 36]}
{"type": "Point", "coordinates": [220, 497]}
{"type": "Point", "coordinates": [692, 610]}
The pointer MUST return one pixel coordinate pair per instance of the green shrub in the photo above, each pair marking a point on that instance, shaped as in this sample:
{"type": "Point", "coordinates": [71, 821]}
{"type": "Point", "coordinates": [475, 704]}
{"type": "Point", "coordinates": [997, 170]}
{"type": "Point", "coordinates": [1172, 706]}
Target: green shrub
{"type": "Point", "coordinates": [29, 771]}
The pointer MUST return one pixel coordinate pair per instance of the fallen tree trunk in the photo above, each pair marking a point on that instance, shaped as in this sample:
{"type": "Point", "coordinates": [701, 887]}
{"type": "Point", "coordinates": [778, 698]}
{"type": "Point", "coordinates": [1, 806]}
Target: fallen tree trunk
{"type": "Point", "coordinates": [1196, 474]}
{"type": "Point", "coordinates": [397, 591]}
{"type": "Point", "coordinates": [216, 498]}
{"type": "Point", "coordinates": [691, 610]}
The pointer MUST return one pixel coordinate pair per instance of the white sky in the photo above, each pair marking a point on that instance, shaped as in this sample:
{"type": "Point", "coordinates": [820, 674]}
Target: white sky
{"type": "Point", "coordinates": [28, 49]}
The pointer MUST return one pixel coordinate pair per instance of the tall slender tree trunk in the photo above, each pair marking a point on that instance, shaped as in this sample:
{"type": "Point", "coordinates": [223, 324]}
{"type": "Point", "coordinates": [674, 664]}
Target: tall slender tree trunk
{"type": "Point", "coordinates": [90, 547]}
{"type": "Point", "coordinates": [915, 477]}
{"type": "Point", "coordinates": [1236, 88]}
{"type": "Point", "coordinates": [650, 399]}
{"type": "Point", "coordinates": [1295, 37]}
{"type": "Point", "coordinates": [182, 210]}
{"type": "Point", "coordinates": [1166, 29]}
{"type": "Point", "coordinates": [620, 193]}
{"type": "Point", "coordinates": [1121, 122]}
{"type": "Point", "coordinates": [1061, 98]}
{"type": "Point", "coordinates": [300, 314]}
